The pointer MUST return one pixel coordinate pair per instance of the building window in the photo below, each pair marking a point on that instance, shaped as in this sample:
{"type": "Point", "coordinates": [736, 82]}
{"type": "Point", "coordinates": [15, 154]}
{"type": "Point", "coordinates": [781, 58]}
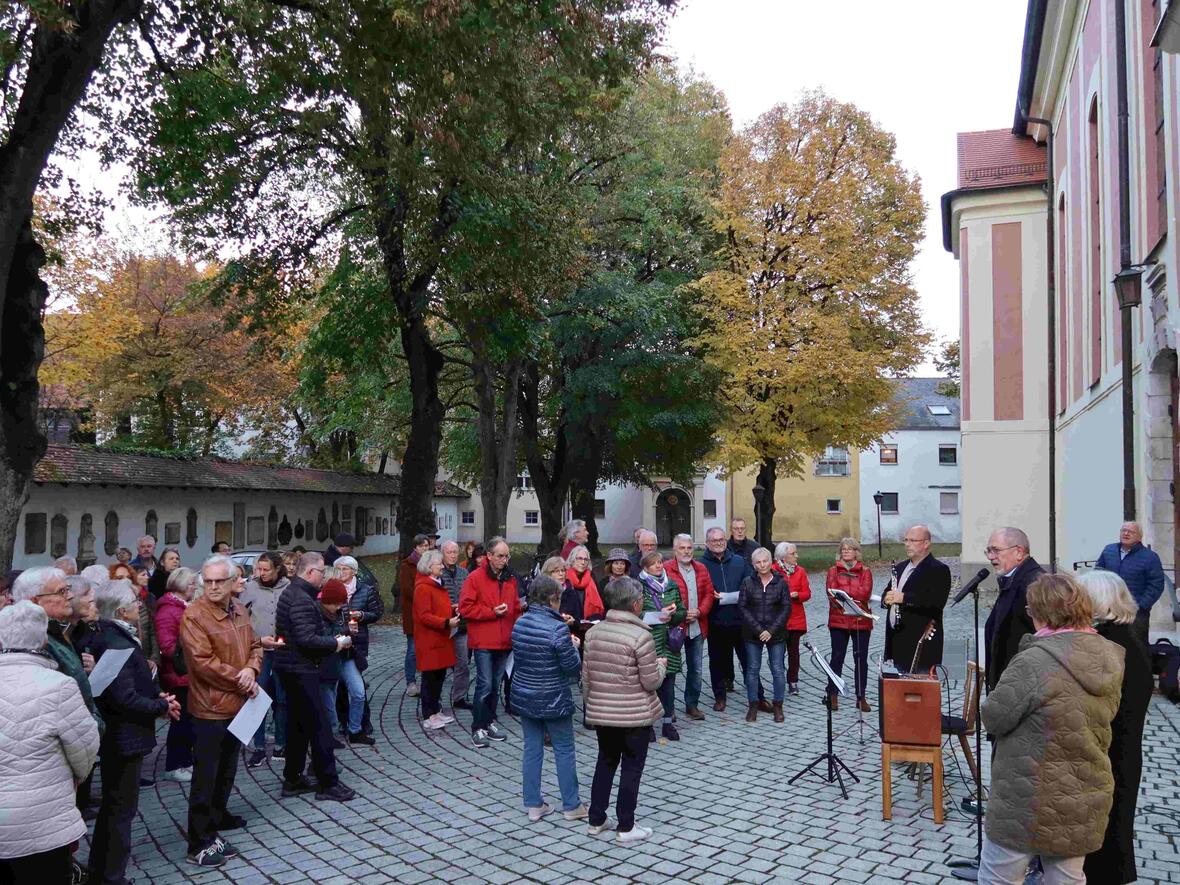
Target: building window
{"type": "Point", "coordinates": [948, 455]}
{"type": "Point", "coordinates": [467, 517]}
{"type": "Point", "coordinates": [600, 508]}
{"type": "Point", "coordinates": [889, 502]}
{"type": "Point", "coordinates": [888, 454]}
{"type": "Point", "coordinates": [223, 532]}
{"type": "Point", "coordinates": [532, 517]}
{"type": "Point", "coordinates": [523, 481]}
{"type": "Point", "coordinates": [35, 533]}
{"type": "Point", "coordinates": [151, 525]}
{"type": "Point", "coordinates": [948, 502]}
{"type": "Point", "coordinates": [362, 525]}
{"type": "Point", "coordinates": [346, 518]}
{"type": "Point", "coordinates": [834, 462]}
{"type": "Point", "coordinates": [710, 505]}
{"type": "Point", "coordinates": [833, 505]}
{"type": "Point", "coordinates": [190, 521]}
{"type": "Point", "coordinates": [939, 410]}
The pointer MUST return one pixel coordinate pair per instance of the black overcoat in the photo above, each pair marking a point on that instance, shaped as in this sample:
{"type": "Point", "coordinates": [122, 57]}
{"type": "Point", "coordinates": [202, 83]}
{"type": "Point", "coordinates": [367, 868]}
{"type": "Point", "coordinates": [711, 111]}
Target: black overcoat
{"type": "Point", "coordinates": [926, 592]}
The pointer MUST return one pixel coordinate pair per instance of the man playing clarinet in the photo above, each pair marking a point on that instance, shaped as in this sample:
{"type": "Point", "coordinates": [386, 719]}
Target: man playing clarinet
{"type": "Point", "coordinates": [922, 587]}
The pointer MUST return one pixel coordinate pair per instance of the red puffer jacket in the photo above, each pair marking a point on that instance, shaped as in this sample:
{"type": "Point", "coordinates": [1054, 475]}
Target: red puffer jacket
{"type": "Point", "coordinates": [704, 589]}
{"type": "Point", "coordinates": [433, 647]}
{"type": "Point", "coordinates": [169, 612]}
{"type": "Point", "coordinates": [481, 593]}
{"type": "Point", "coordinates": [857, 582]}
{"type": "Point", "coordinates": [796, 583]}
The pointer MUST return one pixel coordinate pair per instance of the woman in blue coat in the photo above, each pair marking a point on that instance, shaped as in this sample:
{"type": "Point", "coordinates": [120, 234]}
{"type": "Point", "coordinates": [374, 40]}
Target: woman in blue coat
{"type": "Point", "coordinates": [545, 662]}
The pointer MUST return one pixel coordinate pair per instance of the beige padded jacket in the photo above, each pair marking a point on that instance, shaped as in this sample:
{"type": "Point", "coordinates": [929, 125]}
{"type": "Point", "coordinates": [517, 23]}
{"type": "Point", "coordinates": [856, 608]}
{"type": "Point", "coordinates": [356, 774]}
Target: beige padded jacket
{"type": "Point", "coordinates": [620, 673]}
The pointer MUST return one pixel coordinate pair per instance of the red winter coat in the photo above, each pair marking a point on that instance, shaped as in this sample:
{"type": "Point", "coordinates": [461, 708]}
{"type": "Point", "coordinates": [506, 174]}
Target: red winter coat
{"type": "Point", "coordinates": [169, 611]}
{"type": "Point", "coordinates": [433, 647]}
{"type": "Point", "coordinates": [481, 593]}
{"type": "Point", "coordinates": [857, 582]}
{"type": "Point", "coordinates": [797, 583]}
{"type": "Point", "coordinates": [704, 590]}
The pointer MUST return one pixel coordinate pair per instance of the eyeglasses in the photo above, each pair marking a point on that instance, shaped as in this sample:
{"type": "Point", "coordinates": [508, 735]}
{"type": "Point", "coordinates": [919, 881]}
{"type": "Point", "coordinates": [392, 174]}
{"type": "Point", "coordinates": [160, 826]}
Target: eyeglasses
{"type": "Point", "coordinates": [581, 559]}
{"type": "Point", "coordinates": [913, 540]}
{"type": "Point", "coordinates": [217, 582]}
{"type": "Point", "coordinates": [61, 591]}
{"type": "Point", "coordinates": [993, 550]}
{"type": "Point", "coordinates": [318, 568]}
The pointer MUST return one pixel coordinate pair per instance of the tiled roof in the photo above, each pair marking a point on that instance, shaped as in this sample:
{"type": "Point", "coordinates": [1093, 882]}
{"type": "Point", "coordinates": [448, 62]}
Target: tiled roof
{"type": "Point", "coordinates": [87, 465]}
{"type": "Point", "coordinates": [917, 395]}
{"type": "Point", "coordinates": [997, 158]}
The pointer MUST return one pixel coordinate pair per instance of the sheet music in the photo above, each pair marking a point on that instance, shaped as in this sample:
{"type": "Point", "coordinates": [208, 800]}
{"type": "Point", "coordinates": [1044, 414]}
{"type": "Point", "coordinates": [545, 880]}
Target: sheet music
{"type": "Point", "coordinates": [107, 668]}
{"type": "Point", "coordinates": [252, 714]}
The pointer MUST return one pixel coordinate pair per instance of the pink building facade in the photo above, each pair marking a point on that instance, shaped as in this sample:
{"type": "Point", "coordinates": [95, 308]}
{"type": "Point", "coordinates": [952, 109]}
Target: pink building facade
{"type": "Point", "coordinates": [996, 226]}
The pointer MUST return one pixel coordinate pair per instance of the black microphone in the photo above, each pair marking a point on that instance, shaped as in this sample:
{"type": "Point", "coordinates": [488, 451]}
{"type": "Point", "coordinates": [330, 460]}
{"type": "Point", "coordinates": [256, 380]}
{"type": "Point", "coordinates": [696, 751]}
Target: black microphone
{"type": "Point", "coordinates": [970, 586]}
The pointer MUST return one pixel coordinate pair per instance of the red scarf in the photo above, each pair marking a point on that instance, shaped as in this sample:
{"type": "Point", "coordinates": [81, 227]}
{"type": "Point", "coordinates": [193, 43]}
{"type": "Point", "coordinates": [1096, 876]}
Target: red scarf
{"type": "Point", "coordinates": [592, 605]}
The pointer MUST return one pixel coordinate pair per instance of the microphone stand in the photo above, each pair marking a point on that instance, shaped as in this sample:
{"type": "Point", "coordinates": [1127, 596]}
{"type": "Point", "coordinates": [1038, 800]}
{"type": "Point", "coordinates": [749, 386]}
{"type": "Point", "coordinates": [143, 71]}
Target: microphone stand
{"type": "Point", "coordinates": [968, 870]}
{"type": "Point", "coordinates": [833, 761]}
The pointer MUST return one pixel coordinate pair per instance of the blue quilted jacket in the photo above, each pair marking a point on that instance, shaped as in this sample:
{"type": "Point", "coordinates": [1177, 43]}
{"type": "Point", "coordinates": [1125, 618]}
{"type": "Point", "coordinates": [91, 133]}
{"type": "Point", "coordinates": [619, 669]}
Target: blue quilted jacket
{"type": "Point", "coordinates": [544, 662]}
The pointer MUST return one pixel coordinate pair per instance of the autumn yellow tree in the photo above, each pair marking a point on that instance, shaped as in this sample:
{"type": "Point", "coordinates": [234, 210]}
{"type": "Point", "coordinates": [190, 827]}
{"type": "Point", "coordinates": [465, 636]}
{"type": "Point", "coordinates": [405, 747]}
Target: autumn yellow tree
{"type": "Point", "coordinates": [812, 307]}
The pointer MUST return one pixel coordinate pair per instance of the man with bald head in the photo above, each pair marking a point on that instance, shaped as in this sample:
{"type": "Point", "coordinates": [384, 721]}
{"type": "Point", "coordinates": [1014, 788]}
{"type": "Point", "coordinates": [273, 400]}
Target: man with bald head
{"type": "Point", "coordinates": [1009, 621]}
{"type": "Point", "coordinates": [923, 585]}
{"type": "Point", "coordinates": [1141, 570]}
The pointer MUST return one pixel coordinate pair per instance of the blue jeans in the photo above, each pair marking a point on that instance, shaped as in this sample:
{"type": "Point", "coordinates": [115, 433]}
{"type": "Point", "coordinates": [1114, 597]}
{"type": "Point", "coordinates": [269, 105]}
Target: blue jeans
{"type": "Point", "coordinates": [694, 656]}
{"type": "Point", "coordinates": [268, 679]}
{"type": "Point", "coordinates": [561, 732]}
{"type": "Point", "coordinates": [328, 690]}
{"type": "Point", "coordinates": [351, 677]}
{"type": "Point", "coordinates": [411, 662]}
{"type": "Point", "coordinates": [489, 673]}
{"type": "Point", "coordinates": [775, 654]}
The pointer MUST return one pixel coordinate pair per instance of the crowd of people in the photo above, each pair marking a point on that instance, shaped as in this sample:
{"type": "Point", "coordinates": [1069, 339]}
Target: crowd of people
{"type": "Point", "coordinates": [1068, 677]}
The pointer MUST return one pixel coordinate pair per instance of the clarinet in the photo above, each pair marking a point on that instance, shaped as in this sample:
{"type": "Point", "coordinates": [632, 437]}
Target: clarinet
{"type": "Point", "coordinates": [894, 617]}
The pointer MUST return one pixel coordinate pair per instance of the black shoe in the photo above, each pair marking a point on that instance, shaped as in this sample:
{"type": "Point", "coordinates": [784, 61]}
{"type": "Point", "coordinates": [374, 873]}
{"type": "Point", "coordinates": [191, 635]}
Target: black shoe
{"type": "Point", "coordinates": [256, 759]}
{"type": "Point", "coordinates": [337, 793]}
{"type": "Point", "coordinates": [338, 744]}
{"type": "Point", "coordinates": [231, 822]}
{"type": "Point", "coordinates": [227, 850]}
{"type": "Point", "coordinates": [207, 857]}
{"type": "Point", "coordinates": [461, 704]}
{"type": "Point", "coordinates": [651, 735]}
{"type": "Point", "coordinates": [147, 781]}
{"type": "Point", "coordinates": [361, 738]}
{"type": "Point", "coordinates": [278, 753]}
{"type": "Point", "coordinates": [669, 731]}
{"type": "Point", "coordinates": [297, 788]}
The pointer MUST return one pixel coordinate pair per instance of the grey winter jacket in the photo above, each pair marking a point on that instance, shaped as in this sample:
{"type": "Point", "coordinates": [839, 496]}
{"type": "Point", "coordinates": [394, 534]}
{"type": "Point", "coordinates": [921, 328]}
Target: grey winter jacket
{"type": "Point", "coordinates": [1050, 713]}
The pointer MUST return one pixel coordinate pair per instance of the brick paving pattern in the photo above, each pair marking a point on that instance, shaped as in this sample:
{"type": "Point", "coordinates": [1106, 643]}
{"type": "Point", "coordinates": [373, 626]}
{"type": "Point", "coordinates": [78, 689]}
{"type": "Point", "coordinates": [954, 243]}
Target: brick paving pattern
{"type": "Point", "coordinates": [433, 809]}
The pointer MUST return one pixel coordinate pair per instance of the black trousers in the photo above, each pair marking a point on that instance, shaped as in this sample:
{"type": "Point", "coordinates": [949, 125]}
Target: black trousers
{"type": "Point", "coordinates": [110, 847]}
{"type": "Point", "coordinates": [1142, 626]}
{"type": "Point", "coordinates": [44, 868]}
{"type": "Point", "coordinates": [82, 796]}
{"type": "Point", "coordinates": [308, 726]}
{"type": "Point", "coordinates": [860, 652]}
{"type": "Point", "coordinates": [725, 642]}
{"type": "Point", "coordinates": [615, 745]}
{"type": "Point", "coordinates": [215, 764]}
{"type": "Point", "coordinates": [432, 684]}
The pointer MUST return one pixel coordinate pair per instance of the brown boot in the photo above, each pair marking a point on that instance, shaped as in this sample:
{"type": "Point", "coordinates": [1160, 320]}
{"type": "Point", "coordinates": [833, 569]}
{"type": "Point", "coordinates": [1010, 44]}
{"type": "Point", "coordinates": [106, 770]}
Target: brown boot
{"type": "Point", "coordinates": [719, 705]}
{"type": "Point", "coordinates": [863, 705]}
{"type": "Point", "coordinates": [764, 706]}
{"type": "Point", "coordinates": [694, 713]}
{"type": "Point", "coordinates": [752, 713]}
{"type": "Point", "coordinates": [778, 711]}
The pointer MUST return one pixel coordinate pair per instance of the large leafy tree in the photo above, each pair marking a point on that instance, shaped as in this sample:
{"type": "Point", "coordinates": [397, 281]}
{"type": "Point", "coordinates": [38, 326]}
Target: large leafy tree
{"type": "Point", "coordinates": [286, 128]}
{"type": "Point", "coordinates": [812, 308]}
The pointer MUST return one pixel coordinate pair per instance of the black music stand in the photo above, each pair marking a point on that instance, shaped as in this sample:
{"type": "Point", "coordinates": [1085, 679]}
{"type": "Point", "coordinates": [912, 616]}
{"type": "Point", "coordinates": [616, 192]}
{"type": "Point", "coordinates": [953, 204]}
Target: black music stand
{"type": "Point", "coordinates": [968, 870]}
{"type": "Point", "coordinates": [852, 609]}
{"type": "Point", "coordinates": [833, 761]}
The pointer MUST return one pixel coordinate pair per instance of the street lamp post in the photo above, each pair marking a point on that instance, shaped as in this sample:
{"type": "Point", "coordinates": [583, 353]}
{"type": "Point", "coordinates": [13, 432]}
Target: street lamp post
{"type": "Point", "coordinates": [877, 499]}
{"type": "Point", "coordinates": [1128, 286]}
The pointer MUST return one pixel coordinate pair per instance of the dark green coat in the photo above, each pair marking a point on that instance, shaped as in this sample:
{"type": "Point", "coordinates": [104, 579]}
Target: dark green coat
{"type": "Point", "coordinates": [659, 632]}
{"type": "Point", "coordinates": [69, 663]}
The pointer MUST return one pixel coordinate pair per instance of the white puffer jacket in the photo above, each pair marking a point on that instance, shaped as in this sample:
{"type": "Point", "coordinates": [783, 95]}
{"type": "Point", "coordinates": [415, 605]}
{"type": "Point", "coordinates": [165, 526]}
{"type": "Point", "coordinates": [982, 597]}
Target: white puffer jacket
{"type": "Point", "coordinates": [48, 740]}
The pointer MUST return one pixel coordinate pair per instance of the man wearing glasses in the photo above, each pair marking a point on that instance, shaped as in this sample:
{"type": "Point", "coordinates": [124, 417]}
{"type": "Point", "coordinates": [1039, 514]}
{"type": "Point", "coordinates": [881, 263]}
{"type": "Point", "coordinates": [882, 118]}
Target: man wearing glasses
{"type": "Point", "coordinates": [1008, 552]}
{"type": "Point", "coordinates": [489, 602]}
{"type": "Point", "coordinates": [923, 585]}
{"type": "Point", "coordinates": [301, 644]}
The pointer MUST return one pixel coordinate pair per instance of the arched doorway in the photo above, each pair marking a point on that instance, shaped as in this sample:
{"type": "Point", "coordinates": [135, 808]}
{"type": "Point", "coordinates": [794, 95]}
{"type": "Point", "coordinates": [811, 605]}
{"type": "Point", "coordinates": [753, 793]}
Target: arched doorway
{"type": "Point", "coordinates": [673, 515]}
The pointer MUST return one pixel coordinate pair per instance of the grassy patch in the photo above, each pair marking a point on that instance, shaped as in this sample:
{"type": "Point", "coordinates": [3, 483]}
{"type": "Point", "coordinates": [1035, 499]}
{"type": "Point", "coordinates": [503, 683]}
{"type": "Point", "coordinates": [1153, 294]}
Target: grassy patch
{"type": "Point", "coordinates": [821, 557]}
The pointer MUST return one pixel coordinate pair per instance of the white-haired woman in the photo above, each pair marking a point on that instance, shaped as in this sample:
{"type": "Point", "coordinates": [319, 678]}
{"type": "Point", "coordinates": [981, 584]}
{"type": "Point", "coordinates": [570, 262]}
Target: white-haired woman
{"type": "Point", "coordinates": [435, 617]}
{"type": "Point", "coordinates": [765, 603]}
{"type": "Point", "coordinates": [50, 743]}
{"type": "Point", "coordinates": [364, 607]}
{"type": "Point", "coordinates": [178, 593]}
{"type": "Point", "coordinates": [1114, 619]}
{"type": "Point", "coordinates": [574, 534]}
{"type": "Point", "coordinates": [580, 600]}
{"type": "Point", "coordinates": [786, 563]}
{"type": "Point", "coordinates": [130, 706]}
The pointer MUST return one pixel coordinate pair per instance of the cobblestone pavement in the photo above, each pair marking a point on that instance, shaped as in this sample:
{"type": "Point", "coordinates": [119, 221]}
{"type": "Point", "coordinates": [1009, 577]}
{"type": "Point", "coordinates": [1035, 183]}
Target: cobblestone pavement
{"type": "Point", "coordinates": [433, 809]}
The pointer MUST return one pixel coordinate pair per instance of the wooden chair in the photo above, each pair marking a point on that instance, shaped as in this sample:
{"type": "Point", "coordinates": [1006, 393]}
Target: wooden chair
{"type": "Point", "coordinates": [964, 727]}
{"type": "Point", "coordinates": [931, 756]}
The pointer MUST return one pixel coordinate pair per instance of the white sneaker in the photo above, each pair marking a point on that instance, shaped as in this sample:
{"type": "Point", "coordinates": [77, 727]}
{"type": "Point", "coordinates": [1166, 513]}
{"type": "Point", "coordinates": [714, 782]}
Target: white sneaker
{"type": "Point", "coordinates": [635, 834]}
{"type": "Point", "coordinates": [446, 720]}
{"type": "Point", "coordinates": [412, 689]}
{"type": "Point", "coordinates": [434, 722]}
{"type": "Point", "coordinates": [180, 775]}
{"type": "Point", "coordinates": [607, 824]}
{"type": "Point", "coordinates": [579, 813]}
{"type": "Point", "coordinates": [535, 814]}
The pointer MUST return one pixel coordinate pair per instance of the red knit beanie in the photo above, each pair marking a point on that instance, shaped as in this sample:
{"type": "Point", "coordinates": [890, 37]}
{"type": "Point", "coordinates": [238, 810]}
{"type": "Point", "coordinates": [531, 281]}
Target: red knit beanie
{"type": "Point", "coordinates": [333, 592]}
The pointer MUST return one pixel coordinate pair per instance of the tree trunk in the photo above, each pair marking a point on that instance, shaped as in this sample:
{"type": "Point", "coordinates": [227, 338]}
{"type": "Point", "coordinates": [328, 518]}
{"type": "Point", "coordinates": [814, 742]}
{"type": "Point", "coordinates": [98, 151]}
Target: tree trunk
{"type": "Point", "coordinates": [584, 480]}
{"type": "Point", "coordinates": [764, 512]}
{"type": "Point", "coordinates": [498, 430]}
{"type": "Point", "coordinates": [550, 478]}
{"type": "Point", "coordinates": [61, 63]}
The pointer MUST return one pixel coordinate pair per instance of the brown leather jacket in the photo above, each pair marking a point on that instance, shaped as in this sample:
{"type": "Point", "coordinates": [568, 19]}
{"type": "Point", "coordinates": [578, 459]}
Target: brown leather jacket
{"type": "Point", "coordinates": [218, 643]}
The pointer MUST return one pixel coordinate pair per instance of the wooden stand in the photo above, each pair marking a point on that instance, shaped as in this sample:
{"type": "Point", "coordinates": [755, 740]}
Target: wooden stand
{"type": "Point", "coordinates": [891, 753]}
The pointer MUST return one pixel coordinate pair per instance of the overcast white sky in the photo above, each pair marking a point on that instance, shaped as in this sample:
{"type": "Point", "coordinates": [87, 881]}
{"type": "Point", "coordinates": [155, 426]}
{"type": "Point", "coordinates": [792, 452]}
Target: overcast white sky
{"type": "Point", "coordinates": [924, 69]}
